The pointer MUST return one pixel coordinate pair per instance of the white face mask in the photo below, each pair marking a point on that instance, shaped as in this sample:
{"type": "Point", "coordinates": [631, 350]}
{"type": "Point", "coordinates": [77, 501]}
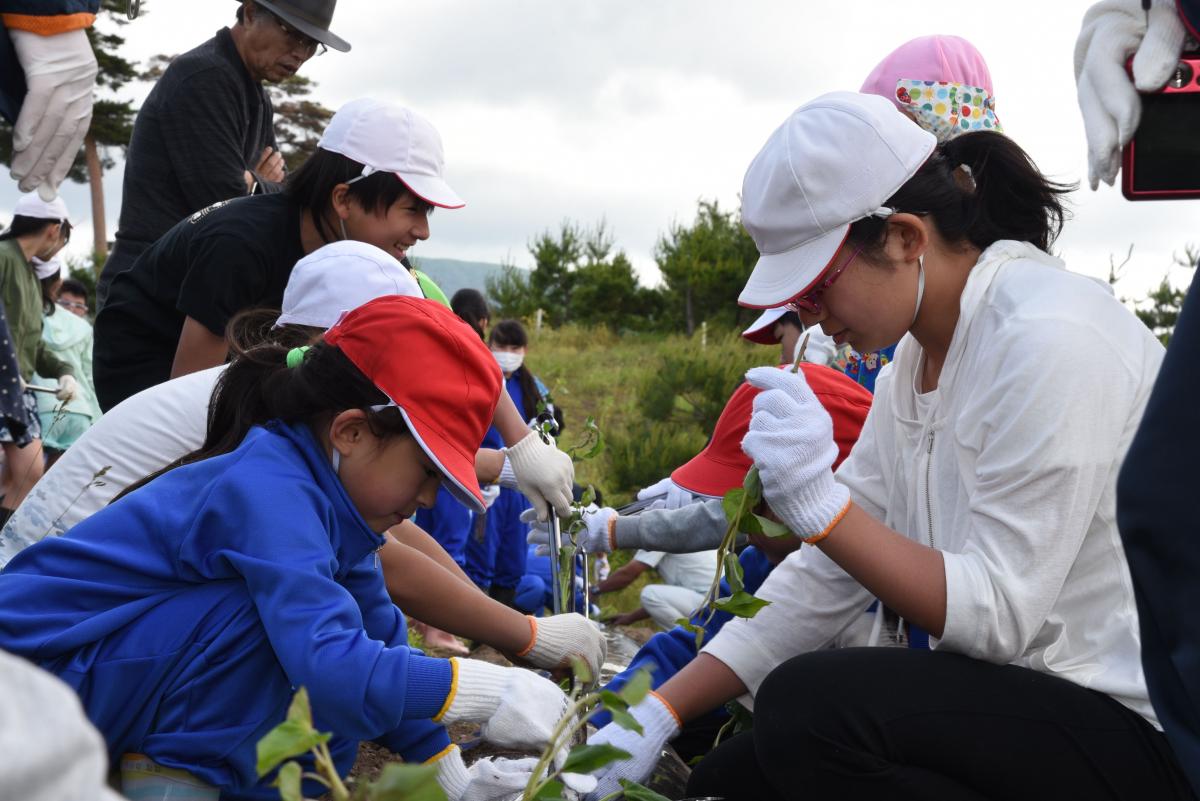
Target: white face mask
{"type": "Point", "coordinates": [509, 362]}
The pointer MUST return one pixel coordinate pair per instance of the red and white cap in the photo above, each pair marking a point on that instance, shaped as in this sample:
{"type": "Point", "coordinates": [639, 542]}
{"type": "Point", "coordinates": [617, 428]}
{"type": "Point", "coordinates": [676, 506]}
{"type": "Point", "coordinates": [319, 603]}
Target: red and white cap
{"type": "Point", "coordinates": [722, 465]}
{"type": "Point", "coordinates": [386, 137]}
{"type": "Point", "coordinates": [762, 330]}
{"type": "Point", "coordinates": [436, 370]}
{"type": "Point", "coordinates": [833, 162]}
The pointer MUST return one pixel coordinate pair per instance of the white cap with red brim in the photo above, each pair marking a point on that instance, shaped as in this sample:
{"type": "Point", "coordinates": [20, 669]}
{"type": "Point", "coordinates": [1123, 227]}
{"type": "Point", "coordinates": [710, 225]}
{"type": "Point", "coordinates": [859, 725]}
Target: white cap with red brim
{"type": "Point", "coordinates": [385, 137]}
{"type": "Point", "coordinates": [761, 331]}
{"type": "Point", "coordinates": [834, 161]}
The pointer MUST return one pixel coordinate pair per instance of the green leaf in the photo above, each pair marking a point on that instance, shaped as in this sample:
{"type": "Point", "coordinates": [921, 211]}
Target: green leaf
{"type": "Point", "coordinates": [688, 625]}
{"type": "Point", "coordinates": [588, 497]}
{"type": "Point", "coordinates": [288, 782]}
{"type": "Point", "coordinates": [581, 671]}
{"type": "Point", "coordinates": [587, 758]}
{"type": "Point", "coordinates": [741, 604]}
{"type": "Point", "coordinates": [636, 792]}
{"type": "Point", "coordinates": [618, 708]}
{"type": "Point", "coordinates": [732, 503]}
{"type": "Point", "coordinates": [400, 782]}
{"type": "Point", "coordinates": [771, 528]}
{"type": "Point", "coordinates": [733, 573]}
{"type": "Point", "coordinates": [293, 737]}
{"type": "Point", "coordinates": [753, 486]}
{"type": "Point", "coordinates": [637, 688]}
{"type": "Point", "coordinates": [550, 791]}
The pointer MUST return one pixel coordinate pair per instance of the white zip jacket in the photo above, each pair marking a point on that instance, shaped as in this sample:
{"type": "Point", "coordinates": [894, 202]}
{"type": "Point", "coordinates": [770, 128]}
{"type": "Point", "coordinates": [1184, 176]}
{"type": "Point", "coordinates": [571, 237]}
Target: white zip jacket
{"type": "Point", "coordinates": [1010, 470]}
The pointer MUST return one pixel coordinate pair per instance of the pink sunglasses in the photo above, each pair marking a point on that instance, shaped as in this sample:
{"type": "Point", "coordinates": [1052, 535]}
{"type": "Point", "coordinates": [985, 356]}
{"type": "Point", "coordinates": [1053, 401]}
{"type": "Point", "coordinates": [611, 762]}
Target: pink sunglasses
{"type": "Point", "coordinates": [810, 301]}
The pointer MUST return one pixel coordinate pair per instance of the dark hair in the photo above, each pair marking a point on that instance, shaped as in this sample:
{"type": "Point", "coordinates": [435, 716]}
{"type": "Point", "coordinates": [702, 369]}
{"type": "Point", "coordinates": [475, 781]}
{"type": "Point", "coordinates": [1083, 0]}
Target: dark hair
{"type": "Point", "coordinates": [790, 318]}
{"type": "Point", "coordinates": [312, 185]}
{"type": "Point", "coordinates": [48, 298]}
{"type": "Point", "coordinates": [511, 334]}
{"type": "Point", "coordinates": [73, 286]}
{"type": "Point", "coordinates": [1004, 196]}
{"type": "Point", "coordinates": [258, 387]}
{"type": "Point", "coordinates": [471, 306]}
{"type": "Point", "coordinates": [24, 226]}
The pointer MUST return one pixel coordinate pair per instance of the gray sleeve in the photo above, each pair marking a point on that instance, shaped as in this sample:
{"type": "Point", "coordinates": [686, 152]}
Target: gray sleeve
{"type": "Point", "coordinates": [695, 527]}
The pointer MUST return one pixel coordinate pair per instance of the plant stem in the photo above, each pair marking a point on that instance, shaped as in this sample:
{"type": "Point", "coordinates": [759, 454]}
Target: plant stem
{"type": "Point", "coordinates": [568, 725]}
{"type": "Point", "coordinates": [324, 762]}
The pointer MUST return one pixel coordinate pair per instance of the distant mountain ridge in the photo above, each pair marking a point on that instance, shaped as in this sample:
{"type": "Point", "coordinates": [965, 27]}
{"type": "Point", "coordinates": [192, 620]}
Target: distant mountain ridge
{"type": "Point", "coordinates": [452, 274]}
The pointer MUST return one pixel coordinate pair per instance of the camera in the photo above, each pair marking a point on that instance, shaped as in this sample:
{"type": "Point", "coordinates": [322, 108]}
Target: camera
{"type": "Point", "coordinates": [1162, 161]}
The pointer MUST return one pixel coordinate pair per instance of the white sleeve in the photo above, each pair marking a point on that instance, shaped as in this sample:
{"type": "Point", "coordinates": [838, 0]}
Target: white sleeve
{"type": "Point", "coordinates": [867, 471]}
{"type": "Point", "coordinates": [812, 601]}
{"type": "Point", "coordinates": [1046, 436]}
{"type": "Point", "coordinates": [649, 558]}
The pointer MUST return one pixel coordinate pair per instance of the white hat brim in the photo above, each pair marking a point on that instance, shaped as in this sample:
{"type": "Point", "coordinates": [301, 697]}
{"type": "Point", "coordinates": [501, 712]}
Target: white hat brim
{"type": "Point", "coordinates": [432, 190]}
{"type": "Point", "coordinates": [780, 277]}
{"type": "Point", "coordinates": [764, 322]}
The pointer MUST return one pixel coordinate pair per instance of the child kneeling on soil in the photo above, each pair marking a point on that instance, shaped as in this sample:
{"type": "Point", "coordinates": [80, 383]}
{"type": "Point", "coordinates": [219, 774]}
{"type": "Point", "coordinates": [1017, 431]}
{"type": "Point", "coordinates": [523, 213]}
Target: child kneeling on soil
{"type": "Point", "coordinates": [186, 613]}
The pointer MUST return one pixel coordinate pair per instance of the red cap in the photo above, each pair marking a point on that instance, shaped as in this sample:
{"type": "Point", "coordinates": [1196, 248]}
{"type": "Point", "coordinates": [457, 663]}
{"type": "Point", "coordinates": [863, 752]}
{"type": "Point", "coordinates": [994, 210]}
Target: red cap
{"type": "Point", "coordinates": [434, 367]}
{"type": "Point", "coordinates": [722, 465]}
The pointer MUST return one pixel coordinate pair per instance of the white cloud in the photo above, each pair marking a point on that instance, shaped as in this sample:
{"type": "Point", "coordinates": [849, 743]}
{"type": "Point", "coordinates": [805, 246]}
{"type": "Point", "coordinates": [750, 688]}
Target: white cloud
{"type": "Point", "coordinates": [632, 110]}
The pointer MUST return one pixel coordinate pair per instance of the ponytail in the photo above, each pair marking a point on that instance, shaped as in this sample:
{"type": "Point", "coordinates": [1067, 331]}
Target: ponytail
{"type": "Point", "coordinates": [258, 387]}
{"type": "Point", "coordinates": [980, 188]}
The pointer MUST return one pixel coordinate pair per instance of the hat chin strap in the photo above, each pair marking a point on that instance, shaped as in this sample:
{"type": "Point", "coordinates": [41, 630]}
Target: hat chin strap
{"type": "Point", "coordinates": [337, 461]}
{"type": "Point", "coordinates": [342, 223]}
{"type": "Point", "coordinates": [920, 287]}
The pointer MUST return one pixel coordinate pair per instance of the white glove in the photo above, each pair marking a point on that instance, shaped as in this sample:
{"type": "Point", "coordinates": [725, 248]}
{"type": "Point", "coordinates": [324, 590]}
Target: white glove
{"type": "Point", "coordinates": [559, 637]}
{"type": "Point", "coordinates": [593, 540]}
{"type": "Point", "coordinates": [60, 72]}
{"type": "Point", "coordinates": [791, 441]}
{"type": "Point", "coordinates": [491, 493]}
{"type": "Point", "coordinates": [659, 724]}
{"type": "Point", "coordinates": [672, 495]}
{"type": "Point", "coordinates": [68, 387]}
{"type": "Point", "coordinates": [497, 778]}
{"type": "Point", "coordinates": [518, 708]}
{"type": "Point", "coordinates": [545, 475]}
{"type": "Point", "coordinates": [1112, 31]}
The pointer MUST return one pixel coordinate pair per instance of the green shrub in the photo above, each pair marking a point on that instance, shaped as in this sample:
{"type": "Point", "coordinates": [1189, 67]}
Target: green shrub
{"type": "Point", "coordinates": [640, 456]}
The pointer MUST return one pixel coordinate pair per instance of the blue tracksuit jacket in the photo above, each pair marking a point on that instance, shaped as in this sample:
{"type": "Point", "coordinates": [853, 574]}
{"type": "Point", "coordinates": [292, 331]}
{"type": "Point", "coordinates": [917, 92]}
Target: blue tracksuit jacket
{"type": "Point", "coordinates": [186, 614]}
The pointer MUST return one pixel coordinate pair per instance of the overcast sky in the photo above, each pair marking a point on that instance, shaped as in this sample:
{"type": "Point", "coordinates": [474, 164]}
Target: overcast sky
{"type": "Point", "coordinates": [632, 110]}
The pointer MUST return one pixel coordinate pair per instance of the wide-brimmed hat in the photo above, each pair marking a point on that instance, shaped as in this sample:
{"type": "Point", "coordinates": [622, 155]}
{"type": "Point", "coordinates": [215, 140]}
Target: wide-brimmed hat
{"type": "Point", "coordinates": [722, 465]}
{"type": "Point", "coordinates": [338, 277]}
{"type": "Point", "coordinates": [387, 137]}
{"type": "Point", "coordinates": [833, 162]}
{"type": "Point", "coordinates": [310, 17]}
{"type": "Point", "coordinates": [434, 368]}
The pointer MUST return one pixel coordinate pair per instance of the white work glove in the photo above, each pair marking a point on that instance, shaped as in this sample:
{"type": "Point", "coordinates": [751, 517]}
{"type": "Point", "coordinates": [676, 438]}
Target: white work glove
{"type": "Point", "coordinates": [593, 540]}
{"type": "Point", "coordinates": [1112, 31]}
{"type": "Point", "coordinates": [68, 387]}
{"type": "Point", "coordinates": [659, 724]}
{"type": "Point", "coordinates": [60, 72]}
{"type": "Point", "coordinates": [791, 441]}
{"type": "Point", "coordinates": [672, 495]}
{"type": "Point", "coordinates": [490, 492]}
{"type": "Point", "coordinates": [559, 637]}
{"type": "Point", "coordinates": [545, 475]}
{"type": "Point", "coordinates": [497, 778]}
{"type": "Point", "coordinates": [518, 708]}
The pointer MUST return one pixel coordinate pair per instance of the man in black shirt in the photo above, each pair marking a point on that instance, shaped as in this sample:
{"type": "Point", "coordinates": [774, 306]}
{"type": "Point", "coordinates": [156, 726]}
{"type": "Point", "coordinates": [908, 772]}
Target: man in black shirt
{"type": "Point", "coordinates": [204, 133]}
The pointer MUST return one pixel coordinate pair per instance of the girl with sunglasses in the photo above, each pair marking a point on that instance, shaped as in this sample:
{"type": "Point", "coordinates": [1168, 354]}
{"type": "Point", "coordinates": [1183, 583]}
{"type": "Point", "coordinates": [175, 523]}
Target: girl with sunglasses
{"type": "Point", "coordinates": [978, 502]}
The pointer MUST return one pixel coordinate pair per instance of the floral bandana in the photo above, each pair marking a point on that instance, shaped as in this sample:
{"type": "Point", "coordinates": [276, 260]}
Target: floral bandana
{"type": "Point", "coordinates": [947, 109]}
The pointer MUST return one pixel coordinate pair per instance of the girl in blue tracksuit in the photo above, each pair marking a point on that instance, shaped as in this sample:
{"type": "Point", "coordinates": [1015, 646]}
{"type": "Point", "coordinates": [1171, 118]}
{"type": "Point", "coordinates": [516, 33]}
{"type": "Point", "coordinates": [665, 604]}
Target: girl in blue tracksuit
{"type": "Point", "coordinates": [496, 555]}
{"type": "Point", "coordinates": [187, 613]}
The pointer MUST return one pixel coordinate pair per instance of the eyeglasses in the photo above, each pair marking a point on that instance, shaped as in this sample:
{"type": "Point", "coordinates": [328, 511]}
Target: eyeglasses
{"type": "Point", "coordinates": [73, 305]}
{"type": "Point", "coordinates": [302, 41]}
{"type": "Point", "coordinates": [811, 301]}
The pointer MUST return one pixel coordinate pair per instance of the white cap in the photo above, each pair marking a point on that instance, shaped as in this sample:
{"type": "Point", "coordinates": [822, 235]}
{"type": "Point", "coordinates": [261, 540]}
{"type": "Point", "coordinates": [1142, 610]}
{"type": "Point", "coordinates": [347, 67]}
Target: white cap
{"type": "Point", "coordinates": [32, 205]}
{"type": "Point", "coordinates": [47, 268]}
{"type": "Point", "coordinates": [760, 330]}
{"type": "Point", "coordinates": [338, 277]}
{"type": "Point", "coordinates": [390, 138]}
{"type": "Point", "coordinates": [833, 162]}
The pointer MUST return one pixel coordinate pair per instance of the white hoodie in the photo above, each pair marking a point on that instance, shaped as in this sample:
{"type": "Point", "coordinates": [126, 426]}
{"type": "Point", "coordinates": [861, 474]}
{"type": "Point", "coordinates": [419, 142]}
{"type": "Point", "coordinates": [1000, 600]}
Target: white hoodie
{"type": "Point", "coordinates": [1009, 468]}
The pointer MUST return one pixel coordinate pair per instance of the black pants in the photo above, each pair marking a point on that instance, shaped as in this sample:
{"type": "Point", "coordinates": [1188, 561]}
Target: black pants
{"type": "Point", "coordinates": [884, 723]}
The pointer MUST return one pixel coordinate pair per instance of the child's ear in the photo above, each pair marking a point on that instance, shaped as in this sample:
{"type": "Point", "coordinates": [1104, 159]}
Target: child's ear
{"type": "Point", "coordinates": [348, 431]}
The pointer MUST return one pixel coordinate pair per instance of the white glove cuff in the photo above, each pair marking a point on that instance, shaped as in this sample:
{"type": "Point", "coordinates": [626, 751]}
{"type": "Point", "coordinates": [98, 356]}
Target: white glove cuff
{"type": "Point", "coordinates": [825, 502]}
{"type": "Point", "coordinates": [475, 691]}
{"type": "Point", "coordinates": [508, 477]}
{"type": "Point", "coordinates": [452, 776]}
{"type": "Point", "coordinates": [657, 718]}
{"type": "Point", "coordinates": [559, 637]}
